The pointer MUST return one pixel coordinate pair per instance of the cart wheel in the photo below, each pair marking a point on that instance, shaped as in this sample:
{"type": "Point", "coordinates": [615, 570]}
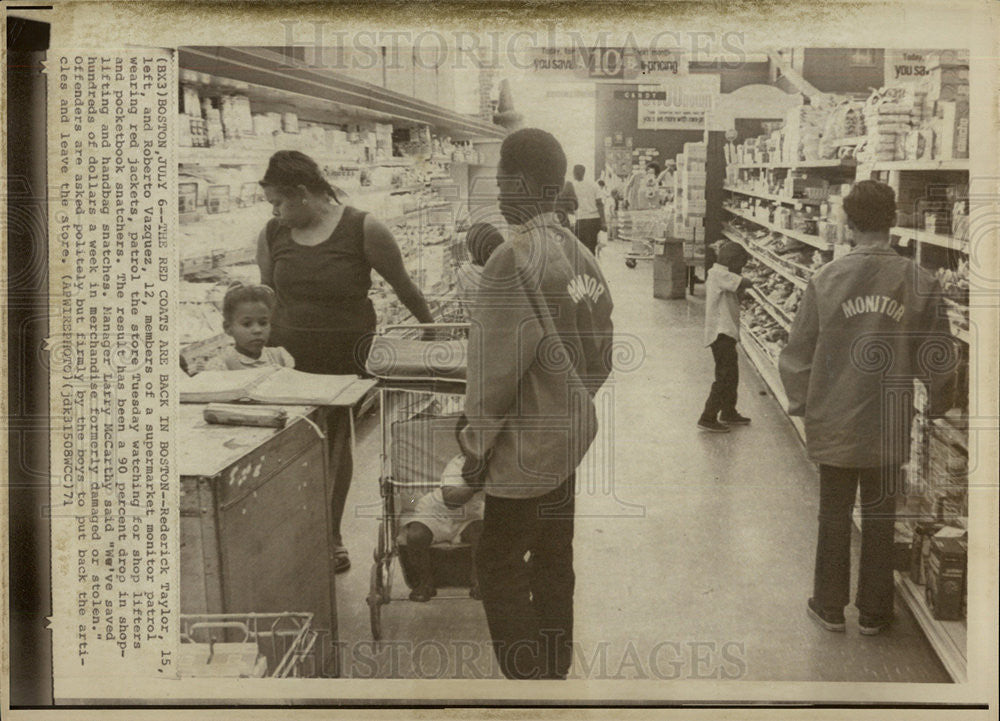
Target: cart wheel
{"type": "Point", "coordinates": [630, 262]}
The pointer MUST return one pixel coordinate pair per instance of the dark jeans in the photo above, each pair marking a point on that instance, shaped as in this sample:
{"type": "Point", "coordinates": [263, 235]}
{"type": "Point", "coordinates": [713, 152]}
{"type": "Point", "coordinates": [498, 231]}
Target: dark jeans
{"type": "Point", "coordinates": [529, 604]}
{"type": "Point", "coordinates": [837, 491]}
{"type": "Point", "coordinates": [727, 378]}
{"type": "Point", "coordinates": [587, 230]}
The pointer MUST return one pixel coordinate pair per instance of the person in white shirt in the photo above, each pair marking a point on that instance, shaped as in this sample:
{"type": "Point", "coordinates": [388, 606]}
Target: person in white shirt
{"type": "Point", "coordinates": [589, 210]}
{"type": "Point", "coordinates": [722, 333]}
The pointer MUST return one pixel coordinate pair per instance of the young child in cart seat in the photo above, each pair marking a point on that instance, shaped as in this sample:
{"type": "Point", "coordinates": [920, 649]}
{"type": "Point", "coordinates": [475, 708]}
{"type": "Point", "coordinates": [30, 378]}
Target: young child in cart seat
{"type": "Point", "coordinates": [246, 317]}
{"type": "Point", "coordinates": [723, 286]}
{"type": "Point", "coordinates": [452, 512]}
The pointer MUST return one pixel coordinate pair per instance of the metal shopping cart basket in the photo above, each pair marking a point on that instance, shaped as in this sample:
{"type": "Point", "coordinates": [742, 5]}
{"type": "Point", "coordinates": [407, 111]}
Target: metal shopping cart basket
{"type": "Point", "coordinates": [645, 229]}
{"type": "Point", "coordinates": [421, 398]}
{"type": "Point", "coordinates": [248, 645]}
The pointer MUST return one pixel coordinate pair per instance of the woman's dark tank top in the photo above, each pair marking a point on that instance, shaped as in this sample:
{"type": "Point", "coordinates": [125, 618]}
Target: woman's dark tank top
{"type": "Point", "coordinates": [322, 287]}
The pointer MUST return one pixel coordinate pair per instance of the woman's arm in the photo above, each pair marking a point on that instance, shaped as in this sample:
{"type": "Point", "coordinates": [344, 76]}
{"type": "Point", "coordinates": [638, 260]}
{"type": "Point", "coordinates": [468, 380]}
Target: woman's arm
{"type": "Point", "coordinates": [383, 255]}
{"type": "Point", "coordinates": [264, 259]}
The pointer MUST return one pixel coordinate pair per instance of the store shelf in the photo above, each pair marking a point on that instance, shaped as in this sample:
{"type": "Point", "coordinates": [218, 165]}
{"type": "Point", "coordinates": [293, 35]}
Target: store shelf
{"type": "Point", "coordinates": [948, 638]}
{"type": "Point", "coordinates": [774, 198]}
{"type": "Point", "coordinates": [767, 369]}
{"type": "Point", "coordinates": [270, 77]}
{"type": "Point", "coordinates": [939, 239]}
{"type": "Point", "coordinates": [780, 317]}
{"type": "Point", "coordinates": [833, 163]}
{"type": "Point", "coordinates": [765, 258]}
{"type": "Point", "coordinates": [259, 156]}
{"type": "Point", "coordinates": [813, 240]}
{"type": "Point", "coordinates": [961, 164]}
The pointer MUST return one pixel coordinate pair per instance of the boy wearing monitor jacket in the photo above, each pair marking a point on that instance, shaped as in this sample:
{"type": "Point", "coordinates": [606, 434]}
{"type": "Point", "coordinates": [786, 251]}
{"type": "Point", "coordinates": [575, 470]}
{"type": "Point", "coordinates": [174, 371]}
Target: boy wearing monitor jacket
{"type": "Point", "coordinates": [869, 324]}
{"type": "Point", "coordinates": [540, 347]}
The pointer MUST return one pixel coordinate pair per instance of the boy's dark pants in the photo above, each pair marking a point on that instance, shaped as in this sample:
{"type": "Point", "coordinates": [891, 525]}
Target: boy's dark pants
{"type": "Point", "coordinates": [529, 604]}
{"type": "Point", "coordinates": [838, 489]}
{"type": "Point", "coordinates": [727, 378]}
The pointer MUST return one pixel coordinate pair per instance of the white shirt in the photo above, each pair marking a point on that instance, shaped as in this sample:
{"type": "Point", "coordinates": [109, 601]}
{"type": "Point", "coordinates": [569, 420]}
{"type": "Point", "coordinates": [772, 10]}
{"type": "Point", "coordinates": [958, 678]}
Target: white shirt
{"type": "Point", "coordinates": [586, 198]}
{"type": "Point", "coordinates": [722, 307]}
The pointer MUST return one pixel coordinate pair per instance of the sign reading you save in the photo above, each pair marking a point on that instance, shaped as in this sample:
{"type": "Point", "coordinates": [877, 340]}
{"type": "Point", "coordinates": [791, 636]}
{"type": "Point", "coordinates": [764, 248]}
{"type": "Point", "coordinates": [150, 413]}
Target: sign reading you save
{"type": "Point", "coordinates": [613, 64]}
{"type": "Point", "coordinates": [677, 103]}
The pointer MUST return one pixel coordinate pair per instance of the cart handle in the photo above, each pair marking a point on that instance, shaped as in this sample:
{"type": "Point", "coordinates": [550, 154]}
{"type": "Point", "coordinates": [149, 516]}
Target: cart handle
{"type": "Point", "coordinates": [398, 326]}
{"type": "Point", "coordinates": [218, 625]}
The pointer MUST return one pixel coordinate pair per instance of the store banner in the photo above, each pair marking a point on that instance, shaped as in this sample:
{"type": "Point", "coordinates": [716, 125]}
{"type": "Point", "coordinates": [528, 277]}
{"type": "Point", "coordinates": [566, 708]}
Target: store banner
{"type": "Point", "coordinates": [679, 103]}
{"type": "Point", "coordinates": [619, 64]}
{"type": "Point", "coordinates": [903, 66]}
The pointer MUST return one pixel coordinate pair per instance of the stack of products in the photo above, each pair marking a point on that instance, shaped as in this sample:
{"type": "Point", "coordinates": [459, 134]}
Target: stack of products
{"type": "Point", "coordinates": [802, 133]}
{"type": "Point", "coordinates": [689, 198]}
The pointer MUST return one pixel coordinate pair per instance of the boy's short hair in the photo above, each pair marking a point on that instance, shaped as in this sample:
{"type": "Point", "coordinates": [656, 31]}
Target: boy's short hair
{"type": "Point", "coordinates": [731, 254]}
{"type": "Point", "coordinates": [654, 166]}
{"type": "Point", "coordinates": [242, 293]}
{"type": "Point", "coordinates": [538, 156]}
{"type": "Point", "coordinates": [871, 206]}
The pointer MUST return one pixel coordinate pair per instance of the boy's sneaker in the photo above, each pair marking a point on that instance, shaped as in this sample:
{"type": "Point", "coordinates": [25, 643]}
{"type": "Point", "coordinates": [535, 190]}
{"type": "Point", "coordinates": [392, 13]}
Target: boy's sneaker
{"type": "Point", "coordinates": [872, 625]}
{"type": "Point", "coordinates": [712, 426]}
{"type": "Point", "coordinates": [832, 619]}
{"type": "Point", "coordinates": [734, 419]}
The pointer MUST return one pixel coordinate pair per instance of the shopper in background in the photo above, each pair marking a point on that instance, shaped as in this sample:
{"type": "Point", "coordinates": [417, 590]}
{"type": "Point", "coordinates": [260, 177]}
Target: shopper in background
{"type": "Point", "coordinates": [722, 334]}
{"type": "Point", "coordinates": [318, 256]}
{"type": "Point", "coordinates": [539, 349]}
{"type": "Point", "coordinates": [869, 323]}
{"type": "Point", "coordinates": [566, 205]}
{"type": "Point", "coordinates": [590, 209]}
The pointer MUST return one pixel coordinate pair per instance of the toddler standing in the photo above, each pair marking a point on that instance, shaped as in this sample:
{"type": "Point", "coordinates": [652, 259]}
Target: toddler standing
{"type": "Point", "coordinates": [722, 332]}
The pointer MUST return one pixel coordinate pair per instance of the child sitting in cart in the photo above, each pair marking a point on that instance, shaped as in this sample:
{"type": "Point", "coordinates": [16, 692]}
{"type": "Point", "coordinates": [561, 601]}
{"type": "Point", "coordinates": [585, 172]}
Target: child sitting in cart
{"type": "Point", "coordinates": [451, 513]}
{"type": "Point", "coordinates": [246, 316]}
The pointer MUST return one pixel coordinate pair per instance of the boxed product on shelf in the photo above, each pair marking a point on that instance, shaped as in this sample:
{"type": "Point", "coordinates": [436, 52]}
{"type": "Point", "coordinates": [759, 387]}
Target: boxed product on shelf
{"type": "Point", "coordinates": [945, 576]}
{"type": "Point", "coordinates": [920, 549]}
{"type": "Point", "coordinates": [954, 129]}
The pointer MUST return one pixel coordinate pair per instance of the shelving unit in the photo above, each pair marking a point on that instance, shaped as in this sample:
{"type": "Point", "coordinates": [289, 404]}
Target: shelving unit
{"type": "Point", "coordinates": [773, 310]}
{"type": "Point", "coordinates": [931, 249]}
{"type": "Point", "coordinates": [768, 196]}
{"type": "Point", "coordinates": [274, 83]}
{"type": "Point", "coordinates": [802, 164]}
{"type": "Point", "coordinates": [766, 259]}
{"type": "Point", "coordinates": [767, 368]}
{"type": "Point", "coordinates": [949, 639]}
{"type": "Point", "coordinates": [814, 240]}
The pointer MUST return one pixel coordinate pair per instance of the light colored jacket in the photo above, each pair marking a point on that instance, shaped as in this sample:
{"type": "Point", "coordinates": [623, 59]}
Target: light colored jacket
{"type": "Point", "coordinates": [868, 324]}
{"type": "Point", "coordinates": [539, 349]}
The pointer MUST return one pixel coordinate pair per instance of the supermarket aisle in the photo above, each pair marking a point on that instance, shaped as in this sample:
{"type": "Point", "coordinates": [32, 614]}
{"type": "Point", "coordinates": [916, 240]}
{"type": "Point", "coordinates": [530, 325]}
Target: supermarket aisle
{"type": "Point", "coordinates": [693, 551]}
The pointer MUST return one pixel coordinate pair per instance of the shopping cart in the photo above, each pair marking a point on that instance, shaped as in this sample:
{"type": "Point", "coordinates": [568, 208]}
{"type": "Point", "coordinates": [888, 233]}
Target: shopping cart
{"type": "Point", "coordinates": [248, 645]}
{"type": "Point", "coordinates": [421, 398]}
{"type": "Point", "coordinates": [645, 229]}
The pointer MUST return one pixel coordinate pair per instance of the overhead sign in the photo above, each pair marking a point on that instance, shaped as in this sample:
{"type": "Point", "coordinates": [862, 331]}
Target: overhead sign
{"type": "Point", "coordinates": [640, 95]}
{"type": "Point", "coordinates": [679, 103]}
{"type": "Point", "coordinates": [608, 64]}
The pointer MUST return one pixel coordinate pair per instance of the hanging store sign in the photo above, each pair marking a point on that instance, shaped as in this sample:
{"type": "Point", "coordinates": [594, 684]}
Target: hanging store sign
{"type": "Point", "coordinates": [678, 104]}
{"type": "Point", "coordinates": [607, 64]}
